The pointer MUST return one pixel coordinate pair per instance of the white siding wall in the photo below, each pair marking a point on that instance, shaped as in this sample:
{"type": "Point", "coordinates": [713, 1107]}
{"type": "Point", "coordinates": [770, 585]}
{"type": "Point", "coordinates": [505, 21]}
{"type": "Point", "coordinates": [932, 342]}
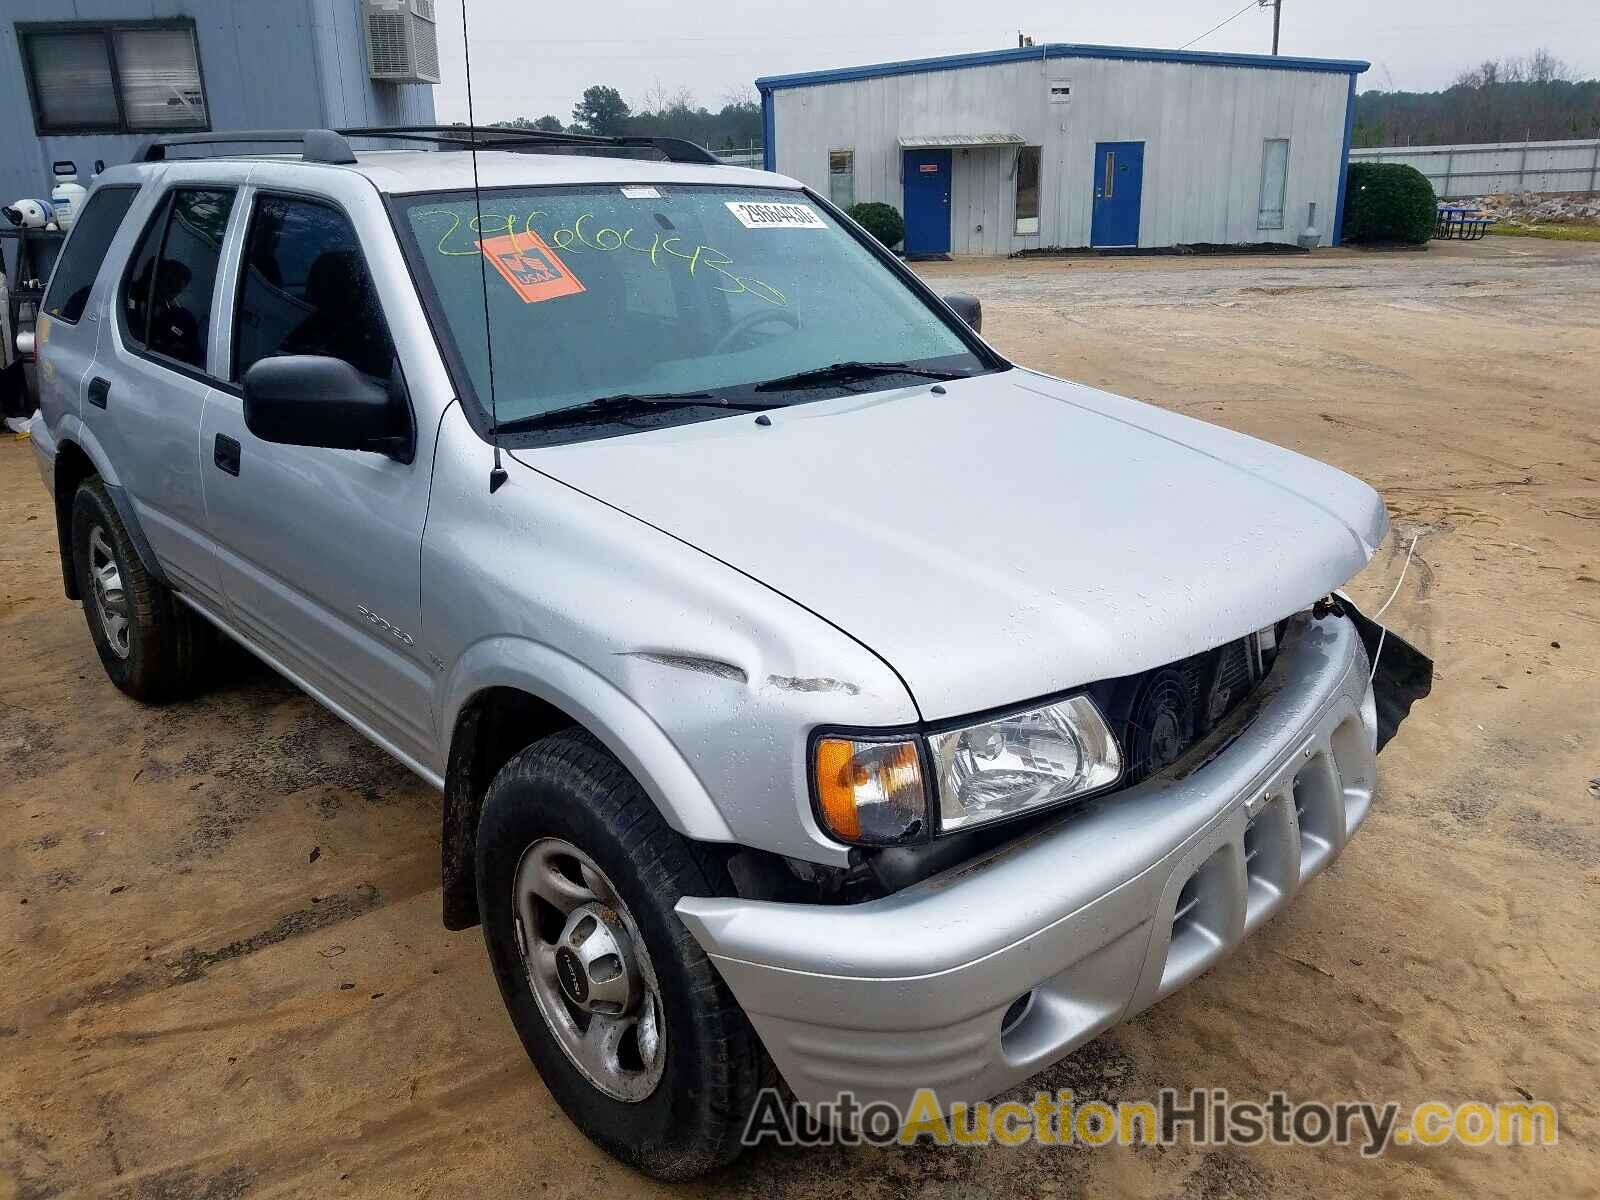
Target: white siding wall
{"type": "Point", "coordinates": [1203, 129]}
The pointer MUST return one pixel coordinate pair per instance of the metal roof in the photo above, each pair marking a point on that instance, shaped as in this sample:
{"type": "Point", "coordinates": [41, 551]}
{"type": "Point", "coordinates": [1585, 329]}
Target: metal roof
{"type": "Point", "coordinates": [1201, 58]}
{"type": "Point", "coordinates": [931, 140]}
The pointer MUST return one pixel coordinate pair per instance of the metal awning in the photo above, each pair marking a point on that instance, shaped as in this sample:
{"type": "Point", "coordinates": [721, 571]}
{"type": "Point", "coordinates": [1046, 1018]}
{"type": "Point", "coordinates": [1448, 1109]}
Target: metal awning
{"type": "Point", "coordinates": [939, 141]}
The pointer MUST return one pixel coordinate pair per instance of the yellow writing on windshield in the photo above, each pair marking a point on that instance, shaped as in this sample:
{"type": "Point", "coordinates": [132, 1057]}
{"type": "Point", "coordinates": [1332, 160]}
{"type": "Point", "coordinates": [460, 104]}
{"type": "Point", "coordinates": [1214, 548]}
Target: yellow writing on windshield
{"type": "Point", "coordinates": [585, 233]}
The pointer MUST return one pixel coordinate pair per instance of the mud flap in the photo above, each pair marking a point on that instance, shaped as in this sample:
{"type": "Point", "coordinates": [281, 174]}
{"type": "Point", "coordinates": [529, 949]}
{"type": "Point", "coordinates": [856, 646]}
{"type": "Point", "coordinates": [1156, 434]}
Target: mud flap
{"type": "Point", "coordinates": [1404, 674]}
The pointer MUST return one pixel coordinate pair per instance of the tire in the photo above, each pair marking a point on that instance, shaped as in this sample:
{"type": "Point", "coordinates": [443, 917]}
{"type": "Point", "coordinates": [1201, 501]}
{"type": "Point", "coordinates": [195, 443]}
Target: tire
{"type": "Point", "coordinates": [568, 791]}
{"type": "Point", "coordinates": [151, 646]}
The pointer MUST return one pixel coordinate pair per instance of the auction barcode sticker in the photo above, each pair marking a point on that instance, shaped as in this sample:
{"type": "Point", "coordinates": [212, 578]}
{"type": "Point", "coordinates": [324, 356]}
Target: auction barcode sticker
{"type": "Point", "coordinates": [767, 215]}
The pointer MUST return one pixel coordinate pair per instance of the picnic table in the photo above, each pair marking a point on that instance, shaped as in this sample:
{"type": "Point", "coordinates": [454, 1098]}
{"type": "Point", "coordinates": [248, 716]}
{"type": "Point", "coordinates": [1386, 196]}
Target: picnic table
{"type": "Point", "coordinates": [1461, 222]}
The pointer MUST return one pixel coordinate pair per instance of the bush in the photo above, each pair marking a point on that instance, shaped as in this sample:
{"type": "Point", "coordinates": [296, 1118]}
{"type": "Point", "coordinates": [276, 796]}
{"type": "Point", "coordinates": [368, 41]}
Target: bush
{"type": "Point", "coordinates": [882, 221]}
{"type": "Point", "coordinates": [1388, 202]}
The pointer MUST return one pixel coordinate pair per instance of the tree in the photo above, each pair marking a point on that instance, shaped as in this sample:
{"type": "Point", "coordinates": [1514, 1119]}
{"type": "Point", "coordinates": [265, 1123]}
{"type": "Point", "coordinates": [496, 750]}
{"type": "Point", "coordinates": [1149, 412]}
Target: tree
{"type": "Point", "coordinates": [602, 110]}
{"type": "Point", "coordinates": [543, 124]}
{"type": "Point", "coordinates": [1501, 100]}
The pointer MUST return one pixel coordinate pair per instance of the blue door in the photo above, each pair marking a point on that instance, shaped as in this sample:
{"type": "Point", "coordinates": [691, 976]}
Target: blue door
{"type": "Point", "coordinates": [1118, 180]}
{"type": "Point", "coordinates": [927, 187]}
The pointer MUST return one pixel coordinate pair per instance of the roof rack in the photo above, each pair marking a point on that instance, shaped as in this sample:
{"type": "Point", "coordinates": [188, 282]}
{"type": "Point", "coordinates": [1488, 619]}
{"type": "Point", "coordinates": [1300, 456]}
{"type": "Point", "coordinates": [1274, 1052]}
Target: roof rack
{"type": "Point", "coordinates": [333, 146]}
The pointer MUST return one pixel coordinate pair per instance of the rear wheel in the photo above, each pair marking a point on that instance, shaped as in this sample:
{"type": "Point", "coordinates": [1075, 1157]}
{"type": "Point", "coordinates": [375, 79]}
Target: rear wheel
{"type": "Point", "coordinates": [151, 646]}
{"type": "Point", "coordinates": [635, 1033]}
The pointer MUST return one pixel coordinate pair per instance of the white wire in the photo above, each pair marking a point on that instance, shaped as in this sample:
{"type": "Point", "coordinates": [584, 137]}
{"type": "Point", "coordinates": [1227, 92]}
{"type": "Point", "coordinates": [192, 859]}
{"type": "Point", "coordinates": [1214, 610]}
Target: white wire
{"type": "Point", "coordinates": [1382, 631]}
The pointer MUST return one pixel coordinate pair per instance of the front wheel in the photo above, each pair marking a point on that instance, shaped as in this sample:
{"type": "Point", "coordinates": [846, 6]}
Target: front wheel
{"type": "Point", "coordinates": [635, 1033]}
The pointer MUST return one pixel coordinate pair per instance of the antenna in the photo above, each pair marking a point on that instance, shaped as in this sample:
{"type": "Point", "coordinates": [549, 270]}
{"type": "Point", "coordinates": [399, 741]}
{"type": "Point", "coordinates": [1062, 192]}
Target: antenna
{"type": "Point", "coordinates": [497, 473]}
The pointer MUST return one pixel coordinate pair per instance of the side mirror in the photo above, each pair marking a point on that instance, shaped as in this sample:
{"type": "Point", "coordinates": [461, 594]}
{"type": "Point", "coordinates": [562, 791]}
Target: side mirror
{"type": "Point", "coordinates": [25, 342]}
{"type": "Point", "coordinates": [309, 400]}
{"type": "Point", "coordinates": [967, 308]}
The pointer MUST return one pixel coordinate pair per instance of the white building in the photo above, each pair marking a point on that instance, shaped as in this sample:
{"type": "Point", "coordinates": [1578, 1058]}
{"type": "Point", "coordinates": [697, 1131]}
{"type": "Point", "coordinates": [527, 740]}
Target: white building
{"type": "Point", "coordinates": [1065, 145]}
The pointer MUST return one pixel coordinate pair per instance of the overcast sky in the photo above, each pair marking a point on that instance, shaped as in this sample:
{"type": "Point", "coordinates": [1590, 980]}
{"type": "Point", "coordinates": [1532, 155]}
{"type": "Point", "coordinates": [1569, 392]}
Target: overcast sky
{"type": "Point", "coordinates": [531, 59]}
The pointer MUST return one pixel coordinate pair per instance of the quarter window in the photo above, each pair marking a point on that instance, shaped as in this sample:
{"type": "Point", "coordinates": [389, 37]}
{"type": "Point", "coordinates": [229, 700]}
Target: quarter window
{"type": "Point", "coordinates": [1027, 190]}
{"type": "Point", "coordinates": [171, 281]}
{"type": "Point", "coordinates": [306, 290]}
{"type": "Point", "coordinates": [842, 177]}
{"type": "Point", "coordinates": [125, 77]}
{"type": "Point", "coordinates": [85, 251]}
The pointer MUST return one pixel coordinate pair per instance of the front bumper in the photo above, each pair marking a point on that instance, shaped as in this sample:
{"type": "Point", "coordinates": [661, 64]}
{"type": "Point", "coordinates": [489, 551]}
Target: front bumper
{"type": "Point", "coordinates": [1095, 917]}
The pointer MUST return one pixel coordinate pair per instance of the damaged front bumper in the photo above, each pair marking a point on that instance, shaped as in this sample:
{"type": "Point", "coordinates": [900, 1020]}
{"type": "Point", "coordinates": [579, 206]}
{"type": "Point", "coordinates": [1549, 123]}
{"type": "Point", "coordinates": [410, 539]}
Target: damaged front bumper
{"type": "Point", "coordinates": [983, 975]}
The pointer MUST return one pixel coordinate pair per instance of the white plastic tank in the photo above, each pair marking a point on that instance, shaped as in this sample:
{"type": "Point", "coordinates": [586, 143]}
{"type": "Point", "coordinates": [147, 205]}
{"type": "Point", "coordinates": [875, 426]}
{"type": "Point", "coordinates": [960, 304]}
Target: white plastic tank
{"type": "Point", "coordinates": [67, 196]}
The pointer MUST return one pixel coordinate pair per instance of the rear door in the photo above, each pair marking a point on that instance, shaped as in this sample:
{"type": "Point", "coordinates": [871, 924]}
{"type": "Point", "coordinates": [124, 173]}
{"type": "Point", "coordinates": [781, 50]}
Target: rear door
{"type": "Point", "coordinates": [320, 550]}
{"type": "Point", "coordinates": [149, 385]}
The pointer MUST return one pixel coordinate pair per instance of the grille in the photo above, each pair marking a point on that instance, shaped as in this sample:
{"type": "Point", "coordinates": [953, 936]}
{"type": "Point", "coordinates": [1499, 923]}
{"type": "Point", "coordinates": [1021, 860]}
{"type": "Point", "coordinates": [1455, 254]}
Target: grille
{"type": "Point", "coordinates": [427, 45]}
{"type": "Point", "coordinates": [1160, 715]}
{"type": "Point", "coordinates": [387, 43]}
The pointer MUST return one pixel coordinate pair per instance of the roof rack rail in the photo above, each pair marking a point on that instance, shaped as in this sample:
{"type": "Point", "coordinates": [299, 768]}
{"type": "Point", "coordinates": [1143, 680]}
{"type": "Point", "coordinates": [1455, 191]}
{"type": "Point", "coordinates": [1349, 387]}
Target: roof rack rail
{"type": "Point", "coordinates": [333, 146]}
{"type": "Point", "coordinates": [503, 138]}
{"type": "Point", "coordinates": [320, 145]}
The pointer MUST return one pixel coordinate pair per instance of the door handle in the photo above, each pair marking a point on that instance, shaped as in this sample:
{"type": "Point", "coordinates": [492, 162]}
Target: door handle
{"type": "Point", "coordinates": [225, 453]}
{"type": "Point", "coordinates": [99, 391]}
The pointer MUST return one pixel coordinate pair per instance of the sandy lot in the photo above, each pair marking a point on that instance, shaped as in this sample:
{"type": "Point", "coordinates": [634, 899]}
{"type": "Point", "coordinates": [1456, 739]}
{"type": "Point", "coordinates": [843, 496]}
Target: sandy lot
{"type": "Point", "coordinates": [223, 972]}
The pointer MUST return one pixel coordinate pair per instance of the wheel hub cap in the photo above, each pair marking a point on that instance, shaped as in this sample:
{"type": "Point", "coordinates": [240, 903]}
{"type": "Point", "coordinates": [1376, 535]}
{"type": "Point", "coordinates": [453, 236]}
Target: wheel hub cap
{"type": "Point", "coordinates": [589, 970]}
{"type": "Point", "coordinates": [110, 599]}
{"type": "Point", "coordinates": [594, 961]}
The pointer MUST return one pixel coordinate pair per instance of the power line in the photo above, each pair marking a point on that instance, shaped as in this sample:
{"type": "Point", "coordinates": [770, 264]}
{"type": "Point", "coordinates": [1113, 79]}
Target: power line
{"type": "Point", "coordinates": [1219, 25]}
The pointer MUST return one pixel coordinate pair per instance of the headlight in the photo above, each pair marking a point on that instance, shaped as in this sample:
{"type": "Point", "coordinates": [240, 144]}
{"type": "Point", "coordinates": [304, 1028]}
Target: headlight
{"type": "Point", "coordinates": [870, 792]}
{"type": "Point", "coordinates": [1014, 763]}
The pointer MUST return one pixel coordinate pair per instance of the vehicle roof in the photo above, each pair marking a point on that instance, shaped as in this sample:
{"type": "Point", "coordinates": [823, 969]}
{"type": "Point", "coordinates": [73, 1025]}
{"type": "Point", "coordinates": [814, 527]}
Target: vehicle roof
{"type": "Point", "coordinates": [403, 172]}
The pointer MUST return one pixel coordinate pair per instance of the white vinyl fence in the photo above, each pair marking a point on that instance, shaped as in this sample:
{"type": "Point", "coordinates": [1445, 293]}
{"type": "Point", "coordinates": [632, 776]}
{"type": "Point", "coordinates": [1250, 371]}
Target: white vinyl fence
{"type": "Point", "coordinates": [1502, 167]}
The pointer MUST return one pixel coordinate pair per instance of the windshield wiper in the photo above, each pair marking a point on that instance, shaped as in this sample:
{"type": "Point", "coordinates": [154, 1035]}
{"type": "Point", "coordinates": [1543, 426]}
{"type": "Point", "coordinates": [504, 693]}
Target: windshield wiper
{"type": "Point", "coordinates": [848, 372]}
{"type": "Point", "coordinates": [625, 404]}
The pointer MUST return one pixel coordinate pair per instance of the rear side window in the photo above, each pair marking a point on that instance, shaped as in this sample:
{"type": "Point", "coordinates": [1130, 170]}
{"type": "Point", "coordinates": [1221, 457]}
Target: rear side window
{"type": "Point", "coordinates": [305, 290]}
{"type": "Point", "coordinates": [178, 282]}
{"type": "Point", "coordinates": [167, 292]}
{"type": "Point", "coordinates": [85, 251]}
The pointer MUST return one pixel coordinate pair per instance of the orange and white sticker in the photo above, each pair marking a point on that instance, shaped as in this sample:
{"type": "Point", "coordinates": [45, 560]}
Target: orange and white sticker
{"type": "Point", "coordinates": [534, 271]}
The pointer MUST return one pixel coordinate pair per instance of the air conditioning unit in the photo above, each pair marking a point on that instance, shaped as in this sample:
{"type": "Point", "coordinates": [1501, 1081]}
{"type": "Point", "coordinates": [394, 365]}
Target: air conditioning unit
{"type": "Point", "coordinates": [402, 41]}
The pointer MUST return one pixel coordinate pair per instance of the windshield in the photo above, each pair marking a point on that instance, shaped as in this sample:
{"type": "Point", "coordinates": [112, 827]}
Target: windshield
{"type": "Point", "coordinates": [607, 291]}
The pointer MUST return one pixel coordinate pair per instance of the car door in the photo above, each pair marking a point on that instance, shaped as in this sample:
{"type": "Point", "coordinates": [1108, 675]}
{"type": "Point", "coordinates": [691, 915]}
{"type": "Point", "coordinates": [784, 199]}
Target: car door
{"type": "Point", "coordinates": [319, 549]}
{"type": "Point", "coordinates": [147, 391]}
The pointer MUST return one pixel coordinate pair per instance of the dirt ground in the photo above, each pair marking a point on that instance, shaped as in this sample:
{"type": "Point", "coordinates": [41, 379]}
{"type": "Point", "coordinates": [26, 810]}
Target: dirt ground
{"type": "Point", "coordinates": [221, 966]}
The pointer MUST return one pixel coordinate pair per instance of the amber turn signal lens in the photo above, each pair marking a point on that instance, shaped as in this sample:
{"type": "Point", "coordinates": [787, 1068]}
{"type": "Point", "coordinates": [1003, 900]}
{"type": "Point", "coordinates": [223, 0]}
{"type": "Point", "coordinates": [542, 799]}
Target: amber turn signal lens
{"type": "Point", "coordinates": [870, 792]}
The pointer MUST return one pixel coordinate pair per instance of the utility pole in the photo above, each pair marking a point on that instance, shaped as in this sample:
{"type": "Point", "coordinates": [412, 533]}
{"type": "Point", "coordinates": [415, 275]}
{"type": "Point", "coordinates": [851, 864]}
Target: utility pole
{"type": "Point", "coordinates": [1276, 13]}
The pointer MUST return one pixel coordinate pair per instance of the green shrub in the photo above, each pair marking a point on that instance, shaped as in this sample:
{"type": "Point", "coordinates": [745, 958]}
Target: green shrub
{"type": "Point", "coordinates": [1388, 202]}
{"type": "Point", "coordinates": [882, 221]}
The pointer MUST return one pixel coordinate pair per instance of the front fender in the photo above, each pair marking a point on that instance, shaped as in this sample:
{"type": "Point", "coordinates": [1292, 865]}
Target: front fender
{"type": "Point", "coordinates": [620, 724]}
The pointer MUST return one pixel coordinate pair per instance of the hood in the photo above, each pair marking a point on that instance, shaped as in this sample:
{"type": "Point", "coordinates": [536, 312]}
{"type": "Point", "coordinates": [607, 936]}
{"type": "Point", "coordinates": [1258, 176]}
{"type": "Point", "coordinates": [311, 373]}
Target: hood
{"type": "Point", "coordinates": [1014, 537]}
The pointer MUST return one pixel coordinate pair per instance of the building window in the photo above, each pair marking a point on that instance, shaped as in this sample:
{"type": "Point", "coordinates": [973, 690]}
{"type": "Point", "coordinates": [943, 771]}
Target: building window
{"type": "Point", "coordinates": [1027, 190]}
{"type": "Point", "coordinates": [127, 77]}
{"type": "Point", "coordinates": [842, 177]}
{"type": "Point", "coordinates": [1274, 182]}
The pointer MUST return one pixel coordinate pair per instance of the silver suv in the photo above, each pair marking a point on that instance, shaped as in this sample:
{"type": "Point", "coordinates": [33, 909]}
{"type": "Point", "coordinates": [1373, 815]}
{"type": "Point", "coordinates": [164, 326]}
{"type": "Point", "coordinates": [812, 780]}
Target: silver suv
{"type": "Point", "coordinates": [812, 691]}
